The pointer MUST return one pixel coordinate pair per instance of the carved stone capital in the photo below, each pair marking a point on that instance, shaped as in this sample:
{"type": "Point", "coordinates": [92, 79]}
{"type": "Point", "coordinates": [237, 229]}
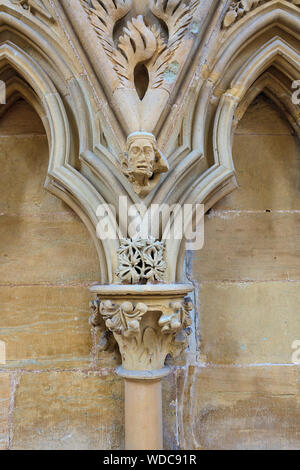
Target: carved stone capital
{"type": "Point", "coordinates": [148, 322]}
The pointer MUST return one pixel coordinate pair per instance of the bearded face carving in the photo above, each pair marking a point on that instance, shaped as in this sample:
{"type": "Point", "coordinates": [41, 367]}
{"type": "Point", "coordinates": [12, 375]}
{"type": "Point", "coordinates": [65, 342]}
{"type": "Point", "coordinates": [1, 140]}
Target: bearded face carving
{"type": "Point", "coordinates": [143, 162]}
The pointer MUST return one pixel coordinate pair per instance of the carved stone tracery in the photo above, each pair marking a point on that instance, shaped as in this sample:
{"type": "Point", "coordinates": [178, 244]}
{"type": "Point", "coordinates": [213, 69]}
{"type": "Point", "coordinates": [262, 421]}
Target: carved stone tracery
{"type": "Point", "coordinates": [141, 261]}
{"type": "Point", "coordinates": [140, 43]}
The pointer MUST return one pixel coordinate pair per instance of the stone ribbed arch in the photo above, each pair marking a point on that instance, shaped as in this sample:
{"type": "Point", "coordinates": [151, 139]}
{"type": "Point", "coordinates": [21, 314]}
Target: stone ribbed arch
{"type": "Point", "coordinates": [34, 82]}
{"type": "Point", "coordinates": [253, 68]}
{"type": "Point", "coordinates": [272, 85]}
{"type": "Point", "coordinates": [16, 87]}
{"type": "Point", "coordinates": [266, 38]}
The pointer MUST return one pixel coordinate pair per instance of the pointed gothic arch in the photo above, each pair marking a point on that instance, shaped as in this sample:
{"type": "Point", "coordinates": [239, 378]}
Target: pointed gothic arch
{"type": "Point", "coordinates": [254, 46]}
{"type": "Point", "coordinates": [63, 180]}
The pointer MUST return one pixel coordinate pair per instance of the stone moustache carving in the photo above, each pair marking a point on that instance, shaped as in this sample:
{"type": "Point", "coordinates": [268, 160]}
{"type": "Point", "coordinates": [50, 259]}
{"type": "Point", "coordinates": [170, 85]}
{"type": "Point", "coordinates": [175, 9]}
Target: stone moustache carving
{"type": "Point", "coordinates": [143, 162]}
{"type": "Point", "coordinates": [34, 6]}
{"type": "Point", "coordinates": [239, 8]}
{"type": "Point", "coordinates": [141, 261]}
{"type": "Point", "coordinates": [145, 333]}
{"type": "Point", "coordinates": [140, 43]}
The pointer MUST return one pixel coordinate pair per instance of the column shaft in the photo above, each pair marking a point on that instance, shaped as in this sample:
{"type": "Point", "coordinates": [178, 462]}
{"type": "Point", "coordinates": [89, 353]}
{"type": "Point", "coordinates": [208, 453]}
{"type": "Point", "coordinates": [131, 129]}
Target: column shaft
{"type": "Point", "coordinates": [143, 415]}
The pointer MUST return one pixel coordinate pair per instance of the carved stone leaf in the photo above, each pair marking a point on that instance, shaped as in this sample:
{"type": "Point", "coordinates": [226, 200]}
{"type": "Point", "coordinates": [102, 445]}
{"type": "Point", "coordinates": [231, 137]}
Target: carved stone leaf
{"type": "Point", "coordinates": [159, 62]}
{"type": "Point", "coordinates": [230, 18]}
{"type": "Point", "coordinates": [131, 317]}
{"type": "Point", "coordinates": [103, 16]}
{"type": "Point", "coordinates": [177, 15]}
{"type": "Point", "coordinates": [108, 12]}
{"type": "Point", "coordinates": [180, 343]}
{"type": "Point", "coordinates": [96, 319]}
{"type": "Point", "coordinates": [150, 341]}
{"type": "Point", "coordinates": [112, 316]}
{"type": "Point", "coordinates": [155, 266]}
{"type": "Point", "coordinates": [107, 342]}
{"type": "Point", "coordinates": [130, 268]}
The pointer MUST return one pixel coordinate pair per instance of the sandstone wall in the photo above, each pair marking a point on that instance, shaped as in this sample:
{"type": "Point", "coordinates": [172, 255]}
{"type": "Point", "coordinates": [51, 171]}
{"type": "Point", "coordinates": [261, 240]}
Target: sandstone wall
{"type": "Point", "coordinates": [51, 394]}
{"type": "Point", "coordinates": [246, 394]}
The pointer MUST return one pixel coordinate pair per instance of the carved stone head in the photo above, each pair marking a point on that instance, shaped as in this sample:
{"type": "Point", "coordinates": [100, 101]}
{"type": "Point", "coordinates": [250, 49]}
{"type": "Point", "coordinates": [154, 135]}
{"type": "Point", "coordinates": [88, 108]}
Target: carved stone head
{"type": "Point", "coordinates": [143, 162]}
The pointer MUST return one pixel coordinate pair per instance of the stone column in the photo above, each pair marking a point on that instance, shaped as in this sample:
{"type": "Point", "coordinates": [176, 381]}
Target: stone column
{"type": "Point", "coordinates": [148, 322]}
{"type": "Point", "coordinates": [143, 414]}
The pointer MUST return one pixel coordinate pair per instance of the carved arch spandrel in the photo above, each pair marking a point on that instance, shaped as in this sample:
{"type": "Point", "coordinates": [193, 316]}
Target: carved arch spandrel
{"type": "Point", "coordinates": [210, 64]}
{"type": "Point", "coordinates": [198, 171]}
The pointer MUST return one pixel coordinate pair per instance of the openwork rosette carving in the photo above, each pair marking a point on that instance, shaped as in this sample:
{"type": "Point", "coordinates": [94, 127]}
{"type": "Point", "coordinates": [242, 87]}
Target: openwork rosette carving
{"type": "Point", "coordinates": [141, 261]}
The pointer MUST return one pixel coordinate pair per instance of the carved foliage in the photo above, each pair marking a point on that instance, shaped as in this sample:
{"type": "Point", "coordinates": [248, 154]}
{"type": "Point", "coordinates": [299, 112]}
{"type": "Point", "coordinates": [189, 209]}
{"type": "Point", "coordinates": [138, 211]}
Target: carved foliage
{"type": "Point", "coordinates": [177, 17]}
{"type": "Point", "coordinates": [181, 314]}
{"type": "Point", "coordinates": [141, 261]}
{"type": "Point", "coordinates": [178, 318]}
{"type": "Point", "coordinates": [124, 319]}
{"type": "Point", "coordinates": [239, 8]}
{"type": "Point", "coordinates": [146, 334]}
{"type": "Point", "coordinates": [140, 43]}
{"type": "Point", "coordinates": [34, 6]}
